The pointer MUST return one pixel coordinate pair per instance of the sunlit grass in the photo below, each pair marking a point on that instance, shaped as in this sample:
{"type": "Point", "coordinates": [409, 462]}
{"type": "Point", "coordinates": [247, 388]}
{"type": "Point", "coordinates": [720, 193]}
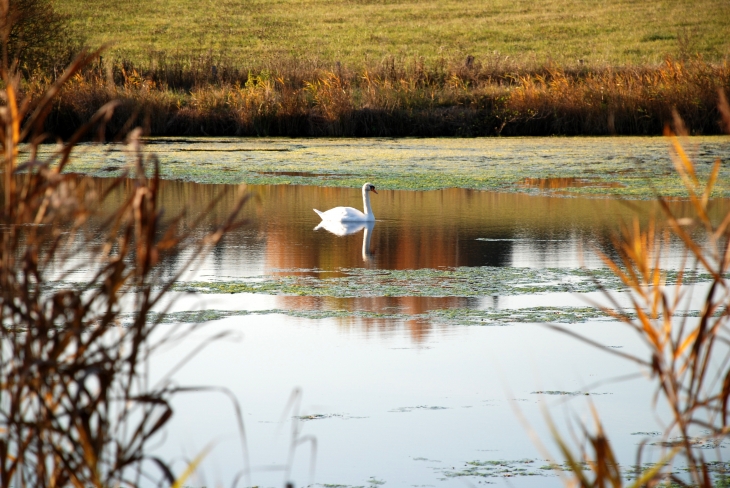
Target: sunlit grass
{"type": "Point", "coordinates": [352, 31]}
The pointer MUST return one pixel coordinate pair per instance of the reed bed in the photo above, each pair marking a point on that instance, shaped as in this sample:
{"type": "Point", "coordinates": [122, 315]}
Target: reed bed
{"type": "Point", "coordinates": [210, 96]}
{"type": "Point", "coordinates": [687, 358]}
{"type": "Point", "coordinates": [77, 404]}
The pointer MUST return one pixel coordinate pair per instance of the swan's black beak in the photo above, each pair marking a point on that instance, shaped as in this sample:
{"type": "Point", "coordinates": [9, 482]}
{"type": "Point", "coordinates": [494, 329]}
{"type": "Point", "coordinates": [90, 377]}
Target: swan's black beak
{"type": "Point", "coordinates": [373, 190]}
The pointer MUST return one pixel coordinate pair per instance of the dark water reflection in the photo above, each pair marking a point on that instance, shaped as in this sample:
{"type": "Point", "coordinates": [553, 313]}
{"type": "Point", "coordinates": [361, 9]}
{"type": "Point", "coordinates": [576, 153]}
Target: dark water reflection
{"type": "Point", "coordinates": [445, 228]}
{"type": "Point", "coordinates": [558, 183]}
{"type": "Point", "coordinates": [418, 329]}
{"type": "Point", "coordinates": [431, 229]}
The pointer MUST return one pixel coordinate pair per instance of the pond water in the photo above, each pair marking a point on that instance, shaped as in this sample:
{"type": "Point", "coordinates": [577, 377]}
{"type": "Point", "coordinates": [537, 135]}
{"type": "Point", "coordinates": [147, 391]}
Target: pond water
{"type": "Point", "coordinates": [414, 345]}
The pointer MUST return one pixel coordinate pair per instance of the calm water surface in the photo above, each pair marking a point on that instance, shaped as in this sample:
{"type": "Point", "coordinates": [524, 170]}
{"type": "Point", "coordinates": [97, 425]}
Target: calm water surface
{"type": "Point", "coordinates": [400, 402]}
{"type": "Point", "coordinates": [414, 229]}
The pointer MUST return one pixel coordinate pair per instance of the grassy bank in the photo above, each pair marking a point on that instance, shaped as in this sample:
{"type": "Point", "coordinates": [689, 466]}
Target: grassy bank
{"type": "Point", "coordinates": [355, 32]}
{"type": "Point", "coordinates": [399, 67]}
{"type": "Point", "coordinates": [461, 97]}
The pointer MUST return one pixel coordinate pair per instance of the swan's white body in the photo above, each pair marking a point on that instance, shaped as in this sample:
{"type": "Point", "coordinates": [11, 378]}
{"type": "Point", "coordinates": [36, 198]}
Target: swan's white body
{"type": "Point", "coordinates": [349, 214]}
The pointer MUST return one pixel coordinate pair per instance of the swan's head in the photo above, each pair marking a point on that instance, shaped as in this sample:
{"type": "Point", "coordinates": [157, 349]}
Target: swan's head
{"type": "Point", "coordinates": [369, 187]}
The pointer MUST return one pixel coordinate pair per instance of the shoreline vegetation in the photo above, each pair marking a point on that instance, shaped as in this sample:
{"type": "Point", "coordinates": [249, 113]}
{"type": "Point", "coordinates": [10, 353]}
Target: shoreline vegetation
{"type": "Point", "coordinates": [379, 68]}
{"type": "Point", "coordinates": [464, 97]}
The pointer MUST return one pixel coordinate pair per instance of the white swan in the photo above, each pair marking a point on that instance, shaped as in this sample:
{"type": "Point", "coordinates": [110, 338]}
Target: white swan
{"type": "Point", "coordinates": [349, 214]}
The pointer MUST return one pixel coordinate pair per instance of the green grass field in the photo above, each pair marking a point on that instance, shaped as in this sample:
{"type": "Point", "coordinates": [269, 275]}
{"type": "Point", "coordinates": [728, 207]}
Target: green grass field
{"type": "Point", "coordinates": [358, 32]}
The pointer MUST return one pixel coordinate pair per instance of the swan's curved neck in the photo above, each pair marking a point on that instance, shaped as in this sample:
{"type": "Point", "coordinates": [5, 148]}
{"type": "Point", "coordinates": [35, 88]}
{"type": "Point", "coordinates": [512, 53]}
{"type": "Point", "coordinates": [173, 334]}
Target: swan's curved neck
{"type": "Point", "coordinates": [366, 204]}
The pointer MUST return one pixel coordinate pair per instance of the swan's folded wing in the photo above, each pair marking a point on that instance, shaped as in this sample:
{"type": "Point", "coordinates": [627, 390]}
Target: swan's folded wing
{"type": "Point", "coordinates": [343, 214]}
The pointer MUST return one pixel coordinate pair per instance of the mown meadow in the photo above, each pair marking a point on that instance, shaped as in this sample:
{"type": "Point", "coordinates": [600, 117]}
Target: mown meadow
{"type": "Point", "coordinates": [358, 32]}
{"type": "Point", "coordinates": [392, 68]}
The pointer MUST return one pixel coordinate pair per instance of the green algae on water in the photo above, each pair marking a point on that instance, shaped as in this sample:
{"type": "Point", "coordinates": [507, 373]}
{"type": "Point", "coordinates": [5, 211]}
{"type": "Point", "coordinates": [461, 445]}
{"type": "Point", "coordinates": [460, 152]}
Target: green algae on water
{"type": "Point", "coordinates": [466, 316]}
{"type": "Point", "coordinates": [630, 167]}
{"type": "Point", "coordinates": [447, 317]}
{"type": "Point", "coordinates": [496, 469]}
{"type": "Point", "coordinates": [447, 282]}
{"type": "Point", "coordinates": [566, 393]}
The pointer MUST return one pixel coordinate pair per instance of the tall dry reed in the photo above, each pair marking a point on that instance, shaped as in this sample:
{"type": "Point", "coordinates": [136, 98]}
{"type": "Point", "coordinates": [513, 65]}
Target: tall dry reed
{"type": "Point", "coordinates": [688, 358]}
{"type": "Point", "coordinates": [77, 288]}
{"type": "Point", "coordinates": [210, 96]}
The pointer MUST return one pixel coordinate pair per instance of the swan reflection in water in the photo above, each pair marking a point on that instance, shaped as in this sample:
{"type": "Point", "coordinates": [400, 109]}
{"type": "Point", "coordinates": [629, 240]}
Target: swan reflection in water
{"type": "Point", "coordinates": [347, 228]}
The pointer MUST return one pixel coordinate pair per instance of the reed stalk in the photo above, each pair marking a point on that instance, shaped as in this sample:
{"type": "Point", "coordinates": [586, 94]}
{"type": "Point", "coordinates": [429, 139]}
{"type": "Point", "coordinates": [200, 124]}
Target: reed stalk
{"type": "Point", "coordinates": [688, 358]}
{"type": "Point", "coordinates": [77, 407]}
{"type": "Point", "coordinates": [214, 97]}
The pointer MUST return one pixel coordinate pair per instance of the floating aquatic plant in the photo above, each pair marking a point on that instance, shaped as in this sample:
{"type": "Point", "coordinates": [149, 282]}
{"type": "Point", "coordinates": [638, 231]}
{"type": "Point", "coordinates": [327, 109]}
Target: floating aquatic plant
{"type": "Point", "coordinates": [449, 282]}
{"type": "Point", "coordinates": [451, 316]}
{"type": "Point", "coordinates": [633, 168]}
{"type": "Point", "coordinates": [496, 469]}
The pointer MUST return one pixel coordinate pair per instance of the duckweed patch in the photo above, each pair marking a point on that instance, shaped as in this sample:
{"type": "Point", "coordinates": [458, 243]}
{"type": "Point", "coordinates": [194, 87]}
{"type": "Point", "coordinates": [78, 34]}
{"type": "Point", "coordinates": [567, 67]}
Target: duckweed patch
{"type": "Point", "coordinates": [317, 416]}
{"type": "Point", "coordinates": [419, 407]}
{"type": "Point", "coordinates": [447, 317]}
{"type": "Point", "coordinates": [566, 393]}
{"type": "Point", "coordinates": [448, 282]}
{"type": "Point", "coordinates": [631, 167]}
{"type": "Point", "coordinates": [496, 469]}
{"type": "Point", "coordinates": [628, 472]}
{"type": "Point", "coordinates": [695, 442]}
{"type": "Point", "coordinates": [372, 483]}
{"type": "Point", "coordinates": [565, 315]}
{"type": "Point", "coordinates": [714, 467]}
{"type": "Point", "coordinates": [324, 416]}
{"type": "Point", "coordinates": [463, 316]}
